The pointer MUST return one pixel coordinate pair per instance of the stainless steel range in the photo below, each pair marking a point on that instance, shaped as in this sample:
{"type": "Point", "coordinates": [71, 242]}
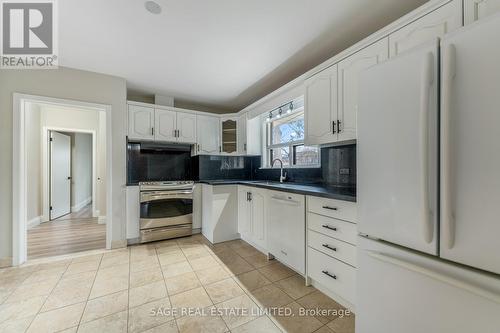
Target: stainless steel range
{"type": "Point", "coordinates": [166, 210]}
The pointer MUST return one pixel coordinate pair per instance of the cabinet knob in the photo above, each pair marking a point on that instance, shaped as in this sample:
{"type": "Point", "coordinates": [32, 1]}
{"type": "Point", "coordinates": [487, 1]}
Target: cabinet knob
{"type": "Point", "coordinates": [326, 226]}
{"type": "Point", "coordinates": [330, 208]}
{"type": "Point", "coordinates": [333, 127]}
{"type": "Point", "coordinates": [329, 247]}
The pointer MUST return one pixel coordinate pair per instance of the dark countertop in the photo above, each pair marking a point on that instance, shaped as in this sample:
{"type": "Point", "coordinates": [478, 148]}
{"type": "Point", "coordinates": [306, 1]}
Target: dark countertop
{"type": "Point", "coordinates": [332, 192]}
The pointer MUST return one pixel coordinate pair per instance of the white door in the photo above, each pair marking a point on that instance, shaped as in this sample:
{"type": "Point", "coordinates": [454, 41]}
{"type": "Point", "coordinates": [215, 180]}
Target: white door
{"type": "Point", "coordinates": [422, 294]}
{"type": "Point", "coordinates": [477, 9]}
{"type": "Point", "coordinates": [397, 150]}
{"type": "Point", "coordinates": [244, 213]}
{"type": "Point", "coordinates": [186, 127]}
{"type": "Point", "coordinates": [165, 125]}
{"type": "Point", "coordinates": [60, 175]}
{"type": "Point", "coordinates": [349, 70]}
{"type": "Point", "coordinates": [427, 28]}
{"type": "Point", "coordinates": [321, 107]}
{"type": "Point", "coordinates": [470, 146]}
{"type": "Point", "coordinates": [241, 132]}
{"type": "Point", "coordinates": [141, 122]}
{"type": "Point", "coordinates": [259, 234]}
{"type": "Point", "coordinates": [207, 134]}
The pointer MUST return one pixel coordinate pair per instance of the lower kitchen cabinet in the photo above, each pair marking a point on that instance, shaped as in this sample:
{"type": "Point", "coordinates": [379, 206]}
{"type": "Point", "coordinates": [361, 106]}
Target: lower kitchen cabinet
{"type": "Point", "coordinates": [286, 229]}
{"type": "Point", "coordinates": [252, 221]}
{"type": "Point", "coordinates": [331, 248]}
{"type": "Point", "coordinates": [133, 213]}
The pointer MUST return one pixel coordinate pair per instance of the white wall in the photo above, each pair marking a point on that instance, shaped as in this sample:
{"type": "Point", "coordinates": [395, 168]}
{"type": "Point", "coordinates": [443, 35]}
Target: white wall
{"type": "Point", "coordinates": [33, 161]}
{"type": "Point", "coordinates": [68, 84]}
{"type": "Point", "coordinates": [81, 170]}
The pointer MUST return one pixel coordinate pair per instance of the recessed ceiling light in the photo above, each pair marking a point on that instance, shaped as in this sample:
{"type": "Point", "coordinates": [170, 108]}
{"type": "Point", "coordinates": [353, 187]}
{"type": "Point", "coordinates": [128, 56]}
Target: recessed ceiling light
{"type": "Point", "coordinates": [152, 7]}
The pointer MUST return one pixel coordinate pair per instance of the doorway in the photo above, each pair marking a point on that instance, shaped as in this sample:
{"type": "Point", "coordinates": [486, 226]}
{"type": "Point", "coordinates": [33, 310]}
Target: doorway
{"type": "Point", "coordinates": [60, 201]}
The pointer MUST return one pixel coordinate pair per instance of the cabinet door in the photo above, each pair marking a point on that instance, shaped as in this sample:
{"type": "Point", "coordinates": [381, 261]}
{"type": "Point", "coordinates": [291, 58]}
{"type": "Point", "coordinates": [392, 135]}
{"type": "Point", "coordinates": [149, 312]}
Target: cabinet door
{"type": "Point", "coordinates": [258, 224]}
{"type": "Point", "coordinates": [349, 70]}
{"type": "Point", "coordinates": [244, 213]}
{"type": "Point", "coordinates": [207, 134]}
{"type": "Point", "coordinates": [186, 127]}
{"type": "Point", "coordinates": [229, 136]}
{"type": "Point", "coordinates": [321, 107]}
{"type": "Point", "coordinates": [241, 131]}
{"type": "Point", "coordinates": [477, 9]}
{"type": "Point", "coordinates": [140, 122]}
{"type": "Point", "coordinates": [165, 125]}
{"type": "Point", "coordinates": [435, 24]}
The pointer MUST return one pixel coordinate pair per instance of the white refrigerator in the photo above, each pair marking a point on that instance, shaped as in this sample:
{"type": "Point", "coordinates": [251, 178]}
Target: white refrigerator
{"type": "Point", "coordinates": [429, 187]}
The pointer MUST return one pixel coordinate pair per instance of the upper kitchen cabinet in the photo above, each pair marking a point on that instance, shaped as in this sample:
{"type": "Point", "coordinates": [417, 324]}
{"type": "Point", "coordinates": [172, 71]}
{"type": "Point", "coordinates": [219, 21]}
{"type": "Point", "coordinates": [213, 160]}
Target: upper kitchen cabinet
{"type": "Point", "coordinates": [241, 130]}
{"type": "Point", "coordinates": [321, 107]}
{"type": "Point", "coordinates": [435, 24]}
{"type": "Point", "coordinates": [165, 125]}
{"type": "Point", "coordinates": [477, 9]}
{"type": "Point", "coordinates": [207, 130]}
{"type": "Point", "coordinates": [186, 127]}
{"type": "Point", "coordinates": [348, 78]}
{"type": "Point", "coordinates": [141, 122]}
{"type": "Point", "coordinates": [229, 135]}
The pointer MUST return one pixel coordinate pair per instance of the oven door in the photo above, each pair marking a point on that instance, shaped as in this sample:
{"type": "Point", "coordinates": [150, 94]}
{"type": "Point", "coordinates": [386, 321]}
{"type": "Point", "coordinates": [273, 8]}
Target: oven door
{"type": "Point", "coordinates": [165, 208]}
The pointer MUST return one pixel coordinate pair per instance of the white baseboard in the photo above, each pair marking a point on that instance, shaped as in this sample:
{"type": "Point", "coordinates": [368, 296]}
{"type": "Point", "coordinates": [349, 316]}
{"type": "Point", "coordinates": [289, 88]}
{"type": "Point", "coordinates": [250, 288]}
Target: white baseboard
{"type": "Point", "coordinates": [101, 219]}
{"type": "Point", "coordinates": [34, 222]}
{"type": "Point", "coordinates": [81, 204]}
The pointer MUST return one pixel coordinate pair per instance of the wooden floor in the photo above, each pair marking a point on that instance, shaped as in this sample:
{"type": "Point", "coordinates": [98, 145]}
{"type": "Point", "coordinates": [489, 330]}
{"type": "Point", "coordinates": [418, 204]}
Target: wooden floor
{"type": "Point", "coordinates": [71, 233]}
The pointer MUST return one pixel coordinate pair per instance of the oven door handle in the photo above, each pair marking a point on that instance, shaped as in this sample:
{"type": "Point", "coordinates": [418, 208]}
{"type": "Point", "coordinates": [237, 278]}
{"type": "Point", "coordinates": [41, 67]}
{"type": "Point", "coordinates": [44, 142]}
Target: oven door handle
{"type": "Point", "coordinates": [155, 196]}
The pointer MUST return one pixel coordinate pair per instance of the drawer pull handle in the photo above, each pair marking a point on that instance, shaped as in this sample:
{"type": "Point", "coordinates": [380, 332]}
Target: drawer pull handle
{"type": "Point", "coordinates": [330, 275]}
{"type": "Point", "coordinates": [330, 208]}
{"type": "Point", "coordinates": [329, 247]}
{"type": "Point", "coordinates": [326, 226]}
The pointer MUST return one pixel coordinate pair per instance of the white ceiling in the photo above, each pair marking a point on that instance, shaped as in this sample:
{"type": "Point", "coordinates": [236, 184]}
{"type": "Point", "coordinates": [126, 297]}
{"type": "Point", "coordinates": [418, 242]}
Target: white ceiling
{"type": "Point", "coordinates": [222, 54]}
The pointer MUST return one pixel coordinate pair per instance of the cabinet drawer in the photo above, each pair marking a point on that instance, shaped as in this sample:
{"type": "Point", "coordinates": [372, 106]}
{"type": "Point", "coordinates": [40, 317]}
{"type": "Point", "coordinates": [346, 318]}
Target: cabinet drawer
{"type": "Point", "coordinates": [332, 247]}
{"type": "Point", "coordinates": [334, 275]}
{"type": "Point", "coordinates": [338, 209]}
{"type": "Point", "coordinates": [345, 231]}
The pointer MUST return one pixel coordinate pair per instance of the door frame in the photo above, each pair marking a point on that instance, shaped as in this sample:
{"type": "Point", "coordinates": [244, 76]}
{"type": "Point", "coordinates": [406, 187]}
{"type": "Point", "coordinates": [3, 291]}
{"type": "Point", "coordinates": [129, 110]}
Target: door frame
{"type": "Point", "coordinates": [46, 175]}
{"type": "Point", "coordinates": [19, 174]}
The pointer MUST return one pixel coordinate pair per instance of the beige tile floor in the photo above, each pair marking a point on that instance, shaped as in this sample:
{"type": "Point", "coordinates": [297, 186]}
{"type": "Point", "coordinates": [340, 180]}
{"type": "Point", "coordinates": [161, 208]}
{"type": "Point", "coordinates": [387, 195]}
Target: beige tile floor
{"type": "Point", "coordinates": [136, 290]}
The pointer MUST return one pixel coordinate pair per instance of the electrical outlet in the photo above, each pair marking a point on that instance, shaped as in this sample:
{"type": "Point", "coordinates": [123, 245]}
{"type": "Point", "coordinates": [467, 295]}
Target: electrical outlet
{"type": "Point", "coordinates": [345, 171]}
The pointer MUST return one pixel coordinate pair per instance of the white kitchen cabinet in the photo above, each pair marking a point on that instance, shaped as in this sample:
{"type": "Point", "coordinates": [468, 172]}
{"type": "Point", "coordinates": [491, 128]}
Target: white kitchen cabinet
{"type": "Point", "coordinates": [477, 9]}
{"type": "Point", "coordinates": [207, 130]}
{"type": "Point", "coordinates": [133, 213]}
{"type": "Point", "coordinates": [241, 131]}
{"type": "Point", "coordinates": [197, 207]}
{"type": "Point", "coordinates": [244, 212]}
{"type": "Point", "coordinates": [141, 122]}
{"type": "Point", "coordinates": [321, 107]}
{"type": "Point", "coordinates": [252, 223]}
{"type": "Point", "coordinates": [286, 229]}
{"type": "Point", "coordinates": [229, 135]}
{"type": "Point", "coordinates": [348, 81]}
{"type": "Point", "coordinates": [186, 127]}
{"type": "Point", "coordinates": [165, 125]}
{"type": "Point", "coordinates": [435, 24]}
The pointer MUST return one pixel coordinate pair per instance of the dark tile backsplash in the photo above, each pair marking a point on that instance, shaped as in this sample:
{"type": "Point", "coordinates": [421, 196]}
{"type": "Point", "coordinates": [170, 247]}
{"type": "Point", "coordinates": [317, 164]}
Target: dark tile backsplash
{"type": "Point", "coordinates": [214, 167]}
{"type": "Point", "coordinates": [338, 167]}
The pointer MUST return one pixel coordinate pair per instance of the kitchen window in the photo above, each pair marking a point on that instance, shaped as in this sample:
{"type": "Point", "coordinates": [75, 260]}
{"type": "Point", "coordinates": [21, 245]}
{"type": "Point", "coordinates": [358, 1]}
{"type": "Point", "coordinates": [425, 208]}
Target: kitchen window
{"type": "Point", "coordinates": [285, 138]}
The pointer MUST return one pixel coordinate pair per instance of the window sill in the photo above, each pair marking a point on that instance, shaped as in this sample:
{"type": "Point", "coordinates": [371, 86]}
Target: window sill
{"type": "Point", "coordinates": [292, 167]}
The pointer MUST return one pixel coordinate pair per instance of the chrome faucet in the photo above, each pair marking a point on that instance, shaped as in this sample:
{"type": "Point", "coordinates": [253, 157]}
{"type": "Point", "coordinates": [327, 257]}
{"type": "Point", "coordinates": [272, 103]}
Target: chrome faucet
{"type": "Point", "coordinates": [282, 176]}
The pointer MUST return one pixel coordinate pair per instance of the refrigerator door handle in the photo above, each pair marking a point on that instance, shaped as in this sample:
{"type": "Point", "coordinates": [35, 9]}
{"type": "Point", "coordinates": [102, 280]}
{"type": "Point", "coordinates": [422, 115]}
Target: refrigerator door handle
{"type": "Point", "coordinates": [436, 276]}
{"type": "Point", "coordinates": [446, 210]}
{"type": "Point", "coordinates": [425, 95]}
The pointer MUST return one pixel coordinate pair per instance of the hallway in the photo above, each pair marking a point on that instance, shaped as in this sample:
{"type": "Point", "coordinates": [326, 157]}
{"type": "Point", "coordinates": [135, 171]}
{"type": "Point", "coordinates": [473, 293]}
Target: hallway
{"type": "Point", "coordinates": [75, 232]}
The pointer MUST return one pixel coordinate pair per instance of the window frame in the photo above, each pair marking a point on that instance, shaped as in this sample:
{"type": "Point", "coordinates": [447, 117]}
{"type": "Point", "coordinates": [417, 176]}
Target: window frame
{"type": "Point", "coordinates": [268, 147]}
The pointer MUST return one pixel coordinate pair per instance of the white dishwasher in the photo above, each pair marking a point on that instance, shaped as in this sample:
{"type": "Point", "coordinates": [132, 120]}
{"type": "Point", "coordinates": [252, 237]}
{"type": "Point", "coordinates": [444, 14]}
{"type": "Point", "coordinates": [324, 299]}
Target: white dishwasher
{"type": "Point", "coordinates": [286, 229]}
